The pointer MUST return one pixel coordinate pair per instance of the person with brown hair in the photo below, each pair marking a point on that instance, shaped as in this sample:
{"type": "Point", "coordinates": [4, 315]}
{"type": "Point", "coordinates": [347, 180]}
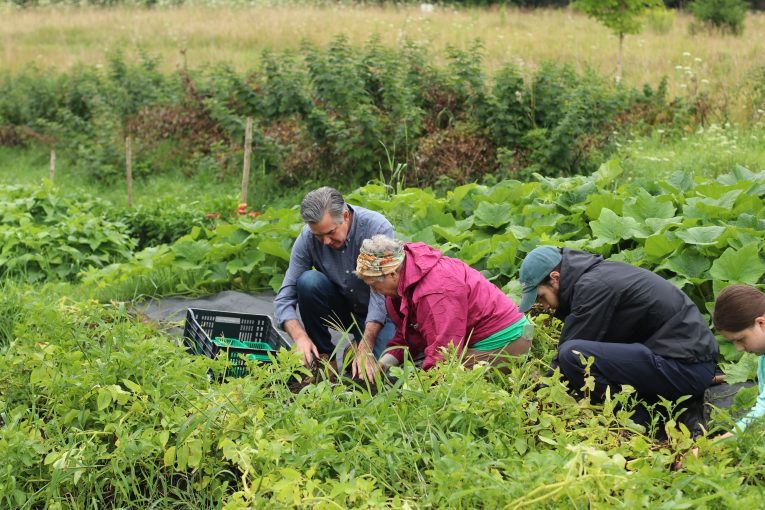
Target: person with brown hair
{"type": "Point", "coordinates": [739, 316]}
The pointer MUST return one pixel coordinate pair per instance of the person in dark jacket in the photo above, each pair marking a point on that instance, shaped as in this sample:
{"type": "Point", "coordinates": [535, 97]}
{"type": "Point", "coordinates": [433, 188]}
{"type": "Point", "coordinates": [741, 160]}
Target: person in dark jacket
{"type": "Point", "coordinates": [640, 329]}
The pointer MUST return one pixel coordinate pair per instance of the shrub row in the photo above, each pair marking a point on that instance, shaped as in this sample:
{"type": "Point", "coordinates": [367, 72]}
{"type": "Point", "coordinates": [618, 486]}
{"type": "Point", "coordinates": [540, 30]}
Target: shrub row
{"type": "Point", "coordinates": [333, 112]}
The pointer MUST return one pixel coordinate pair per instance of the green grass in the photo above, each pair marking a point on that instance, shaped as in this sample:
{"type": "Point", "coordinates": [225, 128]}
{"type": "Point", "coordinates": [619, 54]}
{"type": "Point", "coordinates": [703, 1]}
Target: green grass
{"type": "Point", "coordinates": [707, 152]}
{"type": "Point", "coordinates": [32, 165]}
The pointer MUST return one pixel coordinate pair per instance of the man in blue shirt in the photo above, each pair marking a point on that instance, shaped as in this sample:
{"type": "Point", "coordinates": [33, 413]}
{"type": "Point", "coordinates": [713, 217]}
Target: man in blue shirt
{"type": "Point", "coordinates": [321, 282]}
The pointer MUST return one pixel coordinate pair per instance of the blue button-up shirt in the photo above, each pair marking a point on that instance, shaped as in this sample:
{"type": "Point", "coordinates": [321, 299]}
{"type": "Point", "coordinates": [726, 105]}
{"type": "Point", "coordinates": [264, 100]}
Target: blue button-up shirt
{"type": "Point", "coordinates": [337, 265]}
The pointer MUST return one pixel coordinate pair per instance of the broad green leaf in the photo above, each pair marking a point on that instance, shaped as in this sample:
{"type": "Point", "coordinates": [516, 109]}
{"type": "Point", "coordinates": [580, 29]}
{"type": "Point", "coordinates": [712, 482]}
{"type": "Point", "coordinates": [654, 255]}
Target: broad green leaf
{"type": "Point", "coordinates": [471, 253]}
{"type": "Point", "coordinates": [715, 194]}
{"type": "Point", "coordinates": [424, 235]}
{"type": "Point", "coordinates": [692, 266]}
{"type": "Point", "coordinates": [236, 266]}
{"type": "Point", "coordinates": [745, 369]}
{"type": "Point", "coordinates": [573, 199]}
{"type": "Point", "coordinates": [182, 457]}
{"type": "Point", "coordinates": [702, 236]}
{"type": "Point", "coordinates": [678, 182]}
{"type": "Point", "coordinates": [548, 440]}
{"type": "Point", "coordinates": [545, 223]}
{"type": "Point", "coordinates": [520, 232]}
{"type": "Point", "coordinates": [737, 175]}
{"type": "Point", "coordinates": [504, 258]}
{"type": "Point", "coordinates": [646, 206]}
{"type": "Point", "coordinates": [104, 398]}
{"type": "Point", "coordinates": [432, 214]}
{"type": "Point", "coordinates": [163, 437]}
{"type": "Point", "coordinates": [607, 173]}
{"type": "Point", "coordinates": [452, 234]}
{"type": "Point", "coordinates": [216, 273]}
{"type": "Point", "coordinates": [492, 215]}
{"type": "Point", "coordinates": [462, 198]}
{"type": "Point", "coordinates": [275, 248]}
{"type": "Point", "coordinates": [712, 208]}
{"type": "Point", "coordinates": [39, 374]}
{"type": "Point", "coordinates": [634, 257]}
{"type": "Point", "coordinates": [574, 228]}
{"type": "Point", "coordinates": [232, 234]}
{"type": "Point", "coordinates": [596, 203]}
{"type": "Point", "coordinates": [610, 228]}
{"type": "Point", "coordinates": [191, 251]}
{"type": "Point", "coordinates": [194, 452]}
{"type": "Point", "coordinates": [659, 245]}
{"type": "Point", "coordinates": [132, 386]}
{"type": "Point", "coordinates": [741, 266]}
{"type": "Point", "coordinates": [656, 225]}
{"type": "Point", "coordinates": [276, 281]}
{"type": "Point", "coordinates": [51, 457]}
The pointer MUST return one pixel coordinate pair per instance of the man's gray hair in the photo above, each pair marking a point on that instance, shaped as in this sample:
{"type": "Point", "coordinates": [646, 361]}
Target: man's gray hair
{"type": "Point", "coordinates": [321, 201]}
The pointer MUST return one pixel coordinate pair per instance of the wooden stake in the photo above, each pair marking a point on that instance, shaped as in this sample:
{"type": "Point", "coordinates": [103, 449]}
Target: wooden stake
{"type": "Point", "coordinates": [247, 154]}
{"type": "Point", "coordinates": [129, 168]}
{"type": "Point", "coordinates": [52, 165]}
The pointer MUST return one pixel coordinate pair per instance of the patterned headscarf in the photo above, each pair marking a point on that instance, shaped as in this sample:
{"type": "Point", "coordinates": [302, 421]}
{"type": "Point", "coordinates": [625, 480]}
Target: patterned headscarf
{"type": "Point", "coordinates": [379, 263]}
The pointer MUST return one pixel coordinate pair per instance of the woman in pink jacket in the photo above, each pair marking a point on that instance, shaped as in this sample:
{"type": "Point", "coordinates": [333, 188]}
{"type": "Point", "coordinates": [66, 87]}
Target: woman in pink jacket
{"type": "Point", "coordinates": [435, 301]}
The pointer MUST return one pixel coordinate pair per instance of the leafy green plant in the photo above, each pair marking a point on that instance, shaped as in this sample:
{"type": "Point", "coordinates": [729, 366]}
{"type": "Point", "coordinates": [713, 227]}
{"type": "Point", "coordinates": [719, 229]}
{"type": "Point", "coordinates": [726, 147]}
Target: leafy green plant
{"type": "Point", "coordinates": [162, 223]}
{"type": "Point", "coordinates": [47, 236]}
{"type": "Point", "coordinates": [322, 113]}
{"type": "Point", "coordinates": [98, 408]}
{"type": "Point", "coordinates": [725, 15]}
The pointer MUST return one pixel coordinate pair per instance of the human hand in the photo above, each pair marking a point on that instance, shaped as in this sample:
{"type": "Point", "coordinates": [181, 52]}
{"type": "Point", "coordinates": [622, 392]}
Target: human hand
{"type": "Point", "coordinates": [364, 364]}
{"type": "Point", "coordinates": [304, 345]}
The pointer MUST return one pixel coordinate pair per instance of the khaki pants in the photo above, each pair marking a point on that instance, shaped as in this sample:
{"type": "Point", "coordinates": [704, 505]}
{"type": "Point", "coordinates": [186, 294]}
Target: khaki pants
{"type": "Point", "coordinates": [473, 356]}
{"type": "Point", "coordinates": [497, 356]}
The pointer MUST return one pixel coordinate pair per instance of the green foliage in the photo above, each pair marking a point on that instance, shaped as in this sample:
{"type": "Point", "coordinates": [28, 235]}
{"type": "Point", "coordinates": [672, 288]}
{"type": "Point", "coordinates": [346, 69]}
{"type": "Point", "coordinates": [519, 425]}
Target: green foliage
{"type": "Point", "coordinates": [726, 15]}
{"type": "Point", "coordinates": [251, 252]}
{"type": "Point", "coordinates": [98, 409]}
{"type": "Point", "coordinates": [161, 223]}
{"type": "Point", "coordinates": [621, 16]}
{"type": "Point", "coordinates": [46, 236]}
{"type": "Point", "coordinates": [325, 115]}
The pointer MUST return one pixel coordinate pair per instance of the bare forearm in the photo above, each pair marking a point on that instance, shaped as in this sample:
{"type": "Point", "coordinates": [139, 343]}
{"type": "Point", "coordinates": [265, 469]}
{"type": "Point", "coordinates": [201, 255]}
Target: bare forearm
{"type": "Point", "coordinates": [294, 329]}
{"type": "Point", "coordinates": [371, 330]}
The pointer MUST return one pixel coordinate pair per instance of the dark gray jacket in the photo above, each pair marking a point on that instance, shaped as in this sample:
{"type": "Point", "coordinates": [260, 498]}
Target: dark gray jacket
{"type": "Point", "coordinates": [609, 301]}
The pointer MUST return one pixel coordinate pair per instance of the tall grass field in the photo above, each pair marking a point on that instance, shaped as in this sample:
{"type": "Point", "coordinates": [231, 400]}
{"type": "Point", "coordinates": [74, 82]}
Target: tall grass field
{"type": "Point", "coordinates": [61, 38]}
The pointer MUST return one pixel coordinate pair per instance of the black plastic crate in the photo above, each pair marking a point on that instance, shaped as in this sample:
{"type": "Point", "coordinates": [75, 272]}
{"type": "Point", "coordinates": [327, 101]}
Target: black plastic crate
{"type": "Point", "coordinates": [202, 326]}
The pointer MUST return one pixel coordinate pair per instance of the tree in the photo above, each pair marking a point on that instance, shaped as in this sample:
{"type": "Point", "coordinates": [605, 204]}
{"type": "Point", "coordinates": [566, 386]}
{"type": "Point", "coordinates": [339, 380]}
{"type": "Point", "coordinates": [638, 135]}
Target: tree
{"type": "Point", "coordinates": [621, 16]}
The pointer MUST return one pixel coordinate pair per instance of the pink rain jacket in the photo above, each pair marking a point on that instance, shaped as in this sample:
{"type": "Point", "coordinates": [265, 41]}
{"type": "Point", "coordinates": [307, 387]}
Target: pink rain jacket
{"type": "Point", "coordinates": [442, 300]}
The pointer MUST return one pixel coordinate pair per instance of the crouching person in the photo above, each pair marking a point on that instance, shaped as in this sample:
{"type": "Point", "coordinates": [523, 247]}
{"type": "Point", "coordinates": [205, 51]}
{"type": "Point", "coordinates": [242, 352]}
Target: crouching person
{"type": "Point", "coordinates": [640, 329]}
{"type": "Point", "coordinates": [435, 301]}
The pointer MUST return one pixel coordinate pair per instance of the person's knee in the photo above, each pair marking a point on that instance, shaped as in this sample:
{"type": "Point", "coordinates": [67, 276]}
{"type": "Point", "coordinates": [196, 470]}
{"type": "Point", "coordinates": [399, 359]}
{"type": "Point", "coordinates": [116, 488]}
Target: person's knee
{"type": "Point", "coordinates": [569, 356]}
{"type": "Point", "coordinates": [310, 282]}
